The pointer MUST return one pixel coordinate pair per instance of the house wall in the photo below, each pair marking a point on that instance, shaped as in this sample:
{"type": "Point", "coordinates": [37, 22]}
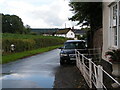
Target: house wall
{"type": "Point", "coordinates": [98, 38]}
{"type": "Point", "coordinates": [106, 27]}
{"type": "Point", "coordinates": [108, 32]}
{"type": "Point", "coordinates": [70, 34]}
{"type": "Point", "coordinates": [107, 41]}
{"type": "Point", "coordinates": [119, 27]}
{"type": "Point", "coordinates": [60, 35]}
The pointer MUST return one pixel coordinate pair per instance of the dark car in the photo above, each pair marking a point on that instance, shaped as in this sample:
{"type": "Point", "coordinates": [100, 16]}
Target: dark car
{"type": "Point", "coordinates": [67, 53]}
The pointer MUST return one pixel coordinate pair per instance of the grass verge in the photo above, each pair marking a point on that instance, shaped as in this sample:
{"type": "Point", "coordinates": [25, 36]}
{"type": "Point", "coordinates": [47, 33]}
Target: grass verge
{"type": "Point", "coordinates": [16, 56]}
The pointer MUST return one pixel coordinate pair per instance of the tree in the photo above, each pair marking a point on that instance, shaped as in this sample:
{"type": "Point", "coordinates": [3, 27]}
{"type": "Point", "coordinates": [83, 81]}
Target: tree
{"type": "Point", "coordinates": [27, 29]}
{"type": "Point", "coordinates": [6, 24]}
{"type": "Point", "coordinates": [12, 24]}
{"type": "Point", "coordinates": [88, 12]}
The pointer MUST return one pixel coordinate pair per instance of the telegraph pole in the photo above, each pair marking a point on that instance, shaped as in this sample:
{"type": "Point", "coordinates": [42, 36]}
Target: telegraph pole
{"type": "Point", "coordinates": [65, 25]}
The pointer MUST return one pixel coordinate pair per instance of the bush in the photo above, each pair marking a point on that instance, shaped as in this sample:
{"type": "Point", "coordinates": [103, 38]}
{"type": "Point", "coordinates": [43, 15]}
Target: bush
{"type": "Point", "coordinates": [24, 44]}
{"type": "Point", "coordinates": [33, 33]}
{"type": "Point", "coordinates": [20, 44]}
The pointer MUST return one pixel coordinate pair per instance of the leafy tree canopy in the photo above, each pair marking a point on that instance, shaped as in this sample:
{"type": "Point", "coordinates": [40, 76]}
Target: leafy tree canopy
{"type": "Point", "coordinates": [27, 29]}
{"type": "Point", "coordinates": [91, 12]}
{"type": "Point", "coordinates": [12, 24]}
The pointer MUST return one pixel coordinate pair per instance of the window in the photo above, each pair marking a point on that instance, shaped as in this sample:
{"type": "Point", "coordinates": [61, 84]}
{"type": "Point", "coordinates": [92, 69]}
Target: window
{"type": "Point", "coordinates": [114, 23]}
{"type": "Point", "coordinates": [119, 14]}
{"type": "Point", "coordinates": [115, 36]}
{"type": "Point", "coordinates": [75, 45]}
{"type": "Point", "coordinates": [115, 12]}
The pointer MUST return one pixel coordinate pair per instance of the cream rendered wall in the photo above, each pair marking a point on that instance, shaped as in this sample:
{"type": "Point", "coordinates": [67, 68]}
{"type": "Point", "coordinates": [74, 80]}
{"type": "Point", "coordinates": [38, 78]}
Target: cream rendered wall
{"type": "Point", "coordinates": [60, 35]}
{"type": "Point", "coordinates": [70, 34]}
{"type": "Point", "coordinates": [119, 27]}
{"type": "Point", "coordinates": [107, 37]}
{"type": "Point", "coordinates": [106, 28]}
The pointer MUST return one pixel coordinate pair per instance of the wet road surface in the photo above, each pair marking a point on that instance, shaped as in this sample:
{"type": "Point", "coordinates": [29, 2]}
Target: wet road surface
{"type": "Point", "coordinates": [41, 71]}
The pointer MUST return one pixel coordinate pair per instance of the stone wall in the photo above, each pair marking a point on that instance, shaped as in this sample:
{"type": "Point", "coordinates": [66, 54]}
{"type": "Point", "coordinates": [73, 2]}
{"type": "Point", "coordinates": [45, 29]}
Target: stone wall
{"type": "Point", "coordinates": [98, 38]}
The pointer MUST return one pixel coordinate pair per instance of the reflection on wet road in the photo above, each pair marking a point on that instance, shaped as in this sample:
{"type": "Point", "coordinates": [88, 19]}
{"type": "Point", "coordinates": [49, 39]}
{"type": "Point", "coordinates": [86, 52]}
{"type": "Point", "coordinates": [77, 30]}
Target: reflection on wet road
{"type": "Point", "coordinates": [40, 71]}
{"type": "Point", "coordinates": [18, 80]}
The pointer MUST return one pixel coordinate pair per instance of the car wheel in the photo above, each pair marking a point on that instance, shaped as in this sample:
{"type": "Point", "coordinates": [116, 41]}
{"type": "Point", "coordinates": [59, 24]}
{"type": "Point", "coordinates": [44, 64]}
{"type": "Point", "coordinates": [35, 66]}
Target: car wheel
{"type": "Point", "coordinates": [62, 63]}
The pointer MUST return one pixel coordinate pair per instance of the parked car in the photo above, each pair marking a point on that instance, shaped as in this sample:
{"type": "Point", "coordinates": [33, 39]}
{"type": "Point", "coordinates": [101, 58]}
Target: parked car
{"type": "Point", "coordinates": [67, 53]}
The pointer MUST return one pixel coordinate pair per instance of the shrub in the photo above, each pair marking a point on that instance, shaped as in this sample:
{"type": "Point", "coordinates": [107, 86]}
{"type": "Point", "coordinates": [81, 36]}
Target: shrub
{"type": "Point", "coordinates": [20, 44]}
{"type": "Point", "coordinates": [28, 42]}
{"type": "Point", "coordinates": [114, 55]}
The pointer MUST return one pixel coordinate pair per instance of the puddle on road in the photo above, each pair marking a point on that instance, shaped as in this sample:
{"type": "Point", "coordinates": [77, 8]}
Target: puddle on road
{"type": "Point", "coordinates": [30, 80]}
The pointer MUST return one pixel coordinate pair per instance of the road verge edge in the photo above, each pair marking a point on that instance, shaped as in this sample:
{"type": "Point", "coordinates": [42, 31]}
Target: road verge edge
{"type": "Point", "coordinates": [20, 55]}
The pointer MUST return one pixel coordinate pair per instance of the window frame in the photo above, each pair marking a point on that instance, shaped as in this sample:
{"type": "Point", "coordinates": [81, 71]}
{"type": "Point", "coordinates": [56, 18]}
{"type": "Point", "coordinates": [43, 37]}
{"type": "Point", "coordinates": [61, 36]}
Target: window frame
{"type": "Point", "coordinates": [114, 34]}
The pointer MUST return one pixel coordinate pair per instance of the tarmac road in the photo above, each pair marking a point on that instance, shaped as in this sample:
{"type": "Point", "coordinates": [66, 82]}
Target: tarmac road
{"type": "Point", "coordinates": [41, 71]}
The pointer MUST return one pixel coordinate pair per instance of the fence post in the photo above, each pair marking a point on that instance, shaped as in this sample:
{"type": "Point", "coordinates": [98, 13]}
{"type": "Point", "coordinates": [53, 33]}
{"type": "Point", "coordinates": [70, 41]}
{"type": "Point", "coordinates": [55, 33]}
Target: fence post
{"type": "Point", "coordinates": [76, 57]}
{"type": "Point", "coordinates": [90, 73]}
{"type": "Point", "coordinates": [79, 64]}
{"type": "Point", "coordinates": [83, 65]}
{"type": "Point", "coordinates": [100, 77]}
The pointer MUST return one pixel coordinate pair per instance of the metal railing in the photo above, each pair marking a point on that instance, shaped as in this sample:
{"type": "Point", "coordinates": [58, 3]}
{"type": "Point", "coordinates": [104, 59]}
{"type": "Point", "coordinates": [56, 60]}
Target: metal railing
{"type": "Point", "coordinates": [94, 53]}
{"type": "Point", "coordinates": [92, 73]}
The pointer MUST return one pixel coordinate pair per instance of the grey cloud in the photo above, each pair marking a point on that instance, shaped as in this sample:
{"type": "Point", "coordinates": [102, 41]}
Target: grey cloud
{"type": "Point", "coordinates": [49, 17]}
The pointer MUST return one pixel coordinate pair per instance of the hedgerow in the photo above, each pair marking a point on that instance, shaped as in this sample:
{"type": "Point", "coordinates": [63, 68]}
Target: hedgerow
{"type": "Point", "coordinates": [29, 42]}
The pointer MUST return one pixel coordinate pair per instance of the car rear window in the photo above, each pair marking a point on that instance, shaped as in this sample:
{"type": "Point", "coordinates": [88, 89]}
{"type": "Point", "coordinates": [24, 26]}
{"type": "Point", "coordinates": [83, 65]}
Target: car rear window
{"type": "Point", "coordinates": [74, 45]}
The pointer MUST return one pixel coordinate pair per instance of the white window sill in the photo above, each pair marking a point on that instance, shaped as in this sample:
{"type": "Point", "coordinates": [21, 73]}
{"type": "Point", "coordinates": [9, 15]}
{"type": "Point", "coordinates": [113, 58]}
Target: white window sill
{"type": "Point", "coordinates": [113, 48]}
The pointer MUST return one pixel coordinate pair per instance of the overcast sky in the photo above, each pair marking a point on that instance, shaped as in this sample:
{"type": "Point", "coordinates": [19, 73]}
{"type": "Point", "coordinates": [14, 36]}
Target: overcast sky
{"type": "Point", "coordinates": [39, 13]}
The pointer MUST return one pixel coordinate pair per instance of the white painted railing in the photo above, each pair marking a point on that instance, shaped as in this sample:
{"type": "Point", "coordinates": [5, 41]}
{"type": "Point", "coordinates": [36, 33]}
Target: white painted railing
{"type": "Point", "coordinates": [94, 53]}
{"type": "Point", "coordinates": [92, 73]}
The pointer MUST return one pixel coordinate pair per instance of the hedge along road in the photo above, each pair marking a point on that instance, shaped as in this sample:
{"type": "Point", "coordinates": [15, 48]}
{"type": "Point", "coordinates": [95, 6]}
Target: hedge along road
{"type": "Point", "coordinates": [41, 71]}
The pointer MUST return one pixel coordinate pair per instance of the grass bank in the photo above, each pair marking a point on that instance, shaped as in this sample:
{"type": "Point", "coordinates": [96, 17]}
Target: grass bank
{"type": "Point", "coordinates": [16, 56]}
{"type": "Point", "coordinates": [24, 42]}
